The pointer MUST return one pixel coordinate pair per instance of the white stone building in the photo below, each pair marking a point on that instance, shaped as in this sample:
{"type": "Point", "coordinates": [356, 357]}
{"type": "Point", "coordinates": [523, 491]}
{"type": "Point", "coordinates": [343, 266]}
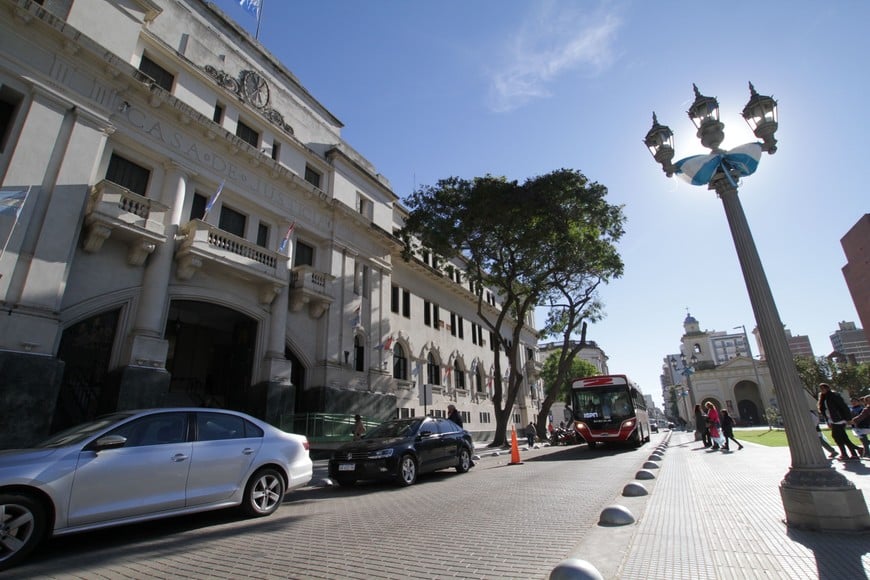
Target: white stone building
{"type": "Point", "coordinates": [184, 224]}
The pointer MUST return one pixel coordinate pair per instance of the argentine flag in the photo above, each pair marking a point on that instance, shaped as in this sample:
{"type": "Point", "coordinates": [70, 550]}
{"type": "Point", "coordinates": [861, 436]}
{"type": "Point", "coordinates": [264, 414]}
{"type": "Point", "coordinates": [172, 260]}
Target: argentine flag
{"type": "Point", "coordinates": [252, 7]}
{"type": "Point", "coordinates": [700, 169]}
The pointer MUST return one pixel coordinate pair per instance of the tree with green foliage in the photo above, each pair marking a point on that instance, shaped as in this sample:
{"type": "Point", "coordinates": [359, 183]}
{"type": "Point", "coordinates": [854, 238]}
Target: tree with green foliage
{"type": "Point", "coordinates": [557, 385]}
{"type": "Point", "coordinates": [848, 379]}
{"type": "Point", "coordinates": [521, 240]}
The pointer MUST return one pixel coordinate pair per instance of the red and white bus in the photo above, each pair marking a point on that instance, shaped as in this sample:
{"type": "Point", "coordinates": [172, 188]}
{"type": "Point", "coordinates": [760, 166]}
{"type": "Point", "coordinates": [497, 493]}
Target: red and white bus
{"type": "Point", "coordinates": [609, 409]}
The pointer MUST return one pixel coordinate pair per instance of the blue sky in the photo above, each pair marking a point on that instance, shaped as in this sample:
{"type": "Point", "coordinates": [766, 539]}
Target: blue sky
{"type": "Point", "coordinates": [429, 89]}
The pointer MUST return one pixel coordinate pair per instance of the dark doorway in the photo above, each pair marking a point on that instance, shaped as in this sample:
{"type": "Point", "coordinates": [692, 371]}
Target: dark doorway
{"type": "Point", "coordinates": [749, 412]}
{"type": "Point", "coordinates": [211, 356]}
{"type": "Point", "coordinates": [297, 378]}
{"type": "Point", "coordinates": [85, 348]}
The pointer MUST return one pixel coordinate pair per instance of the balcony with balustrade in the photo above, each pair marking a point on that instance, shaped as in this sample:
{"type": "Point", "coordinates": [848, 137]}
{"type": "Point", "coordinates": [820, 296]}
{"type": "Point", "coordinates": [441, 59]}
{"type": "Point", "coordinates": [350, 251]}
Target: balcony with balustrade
{"type": "Point", "coordinates": [202, 245]}
{"type": "Point", "coordinates": [114, 210]}
{"type": "Point", "coordinates": [310, 288]}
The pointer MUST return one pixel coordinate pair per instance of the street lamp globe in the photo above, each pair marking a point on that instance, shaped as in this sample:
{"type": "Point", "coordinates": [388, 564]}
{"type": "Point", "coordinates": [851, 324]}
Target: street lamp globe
{"type": "Point", "coordinates": [660, 142]}
{"type": "Point", "coordinates": [760, 114]}
{"type": "Point", "coordinates": [704, 113]}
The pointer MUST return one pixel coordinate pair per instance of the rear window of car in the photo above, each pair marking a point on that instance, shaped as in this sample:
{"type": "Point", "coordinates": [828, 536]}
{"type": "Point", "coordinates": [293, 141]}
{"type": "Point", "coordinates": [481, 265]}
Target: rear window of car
{"type": "Point", "coordinates": [221, 426]}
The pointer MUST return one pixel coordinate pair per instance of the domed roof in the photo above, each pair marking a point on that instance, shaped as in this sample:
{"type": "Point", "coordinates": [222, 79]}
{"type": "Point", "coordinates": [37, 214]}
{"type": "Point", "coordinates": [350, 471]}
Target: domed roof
{"type": "Point", "coordinates": [690, 319]}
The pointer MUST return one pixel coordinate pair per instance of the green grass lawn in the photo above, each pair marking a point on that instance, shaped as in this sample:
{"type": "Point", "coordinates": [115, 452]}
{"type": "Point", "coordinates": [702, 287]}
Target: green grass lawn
{"type": "Point", "coordinates": [776, 437]}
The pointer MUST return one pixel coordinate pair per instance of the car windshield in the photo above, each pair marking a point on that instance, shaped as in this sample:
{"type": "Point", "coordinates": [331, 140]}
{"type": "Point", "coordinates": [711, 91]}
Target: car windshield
{"type": "Point", "coordinates": [400, 428]}
{"type": "Point", "coordinates": [81, 432]}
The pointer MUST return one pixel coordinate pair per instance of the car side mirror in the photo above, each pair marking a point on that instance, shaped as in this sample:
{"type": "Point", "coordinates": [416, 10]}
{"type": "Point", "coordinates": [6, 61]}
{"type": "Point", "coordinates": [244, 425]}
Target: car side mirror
{"type": "Point", "coordinates": [108, 442]}
{"type": "Point", "coordinates": [426, 433]}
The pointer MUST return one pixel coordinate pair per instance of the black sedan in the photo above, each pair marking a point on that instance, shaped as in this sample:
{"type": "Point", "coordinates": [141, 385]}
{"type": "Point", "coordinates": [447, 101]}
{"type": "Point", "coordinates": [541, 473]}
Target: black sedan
{"type": "Point", "coordinates": [401, 450]}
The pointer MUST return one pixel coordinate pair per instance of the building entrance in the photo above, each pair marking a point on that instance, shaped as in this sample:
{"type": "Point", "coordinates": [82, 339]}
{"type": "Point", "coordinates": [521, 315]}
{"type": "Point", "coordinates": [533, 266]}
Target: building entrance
{"type": "Point", "coordinates": [211, 356]}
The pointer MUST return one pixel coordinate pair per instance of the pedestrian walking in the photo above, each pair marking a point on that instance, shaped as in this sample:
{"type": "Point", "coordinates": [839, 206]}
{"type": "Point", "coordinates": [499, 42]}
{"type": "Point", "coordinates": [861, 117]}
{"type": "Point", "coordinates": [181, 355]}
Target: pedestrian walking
{"type": "Point", "coordinates": [454, 415]}
{"type": "Point", "coordinates": [701, 431]}
{"type": "Point", "coordinates": [358, 428]}
{"type": "Point", "coordinates": [716, 439]}
{"type": "Point", "coordinates": [861, 424]}
{"type": "Point", "coordinates": [826, 445]}
{"type": "Point", "coordinates": [832, 406]}
{"type": "Point", "coordinates": [531, 433]}
{"type": "Point", "coordinates": [728, 429]}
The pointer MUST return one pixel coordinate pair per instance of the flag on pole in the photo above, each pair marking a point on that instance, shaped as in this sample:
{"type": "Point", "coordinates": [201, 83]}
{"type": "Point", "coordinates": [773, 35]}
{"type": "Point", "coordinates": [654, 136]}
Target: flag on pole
{"type": "Point", "coordinates": [11, 201]}
{"type": "Point", "coordinates": [252, 7]}
{"type": "Point", "coordinates": [389, 343]}
{"type": "Point", "coordinates": [356, 319]}
{"type": "Point", "coordinates": [286, 239]}
{"type": "Point", "coordinates": [213, 199]}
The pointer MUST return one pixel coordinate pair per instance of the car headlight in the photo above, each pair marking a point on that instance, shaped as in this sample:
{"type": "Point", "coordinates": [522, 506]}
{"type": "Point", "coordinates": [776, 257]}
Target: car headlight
{"type": "Point", "coordinates": [629, 423]}
{"type": "Point", "coordinates": [381, 454]}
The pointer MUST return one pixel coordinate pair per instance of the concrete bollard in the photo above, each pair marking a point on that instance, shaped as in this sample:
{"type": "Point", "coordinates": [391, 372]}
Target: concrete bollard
{"type": "Point", "coordinates": [575, 569]}
{"type": "Point", "coordinates": [650, 465]}
{"type": "Point", "coordinates": [644, 474]}
{"type": "Point", "coordinates": [615, 515]}
{"type": "Point", "coordinates": [634, 489]}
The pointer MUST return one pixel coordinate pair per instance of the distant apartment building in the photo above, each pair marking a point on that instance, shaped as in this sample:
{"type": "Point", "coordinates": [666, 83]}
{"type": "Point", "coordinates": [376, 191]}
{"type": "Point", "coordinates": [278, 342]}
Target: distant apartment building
{"type": "Point", "coordinates": [856, 246]}
{"type": "Point", "coordinates": [850, 343]}
{"type": "Point", "coordinates": [799, 345]}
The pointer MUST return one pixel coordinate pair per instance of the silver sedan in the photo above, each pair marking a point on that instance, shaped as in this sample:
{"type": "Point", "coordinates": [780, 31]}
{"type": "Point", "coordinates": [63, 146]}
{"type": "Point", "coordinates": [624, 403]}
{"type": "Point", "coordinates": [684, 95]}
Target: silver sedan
{"type": "Point", "coordinates": [134, 466]}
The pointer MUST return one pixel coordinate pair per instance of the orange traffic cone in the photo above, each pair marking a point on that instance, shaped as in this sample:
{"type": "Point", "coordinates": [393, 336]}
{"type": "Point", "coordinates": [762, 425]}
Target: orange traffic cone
{"type": "Point", "coordinates": [515, 448]}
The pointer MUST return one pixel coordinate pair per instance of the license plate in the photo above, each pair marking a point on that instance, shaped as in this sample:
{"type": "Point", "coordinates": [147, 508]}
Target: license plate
{"type": "Point", "coordinates": [346, 466]}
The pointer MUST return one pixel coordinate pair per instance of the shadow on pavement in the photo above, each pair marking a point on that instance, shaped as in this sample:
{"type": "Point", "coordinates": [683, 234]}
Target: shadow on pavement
{"type": "Point", "coordinates": [845, 561]}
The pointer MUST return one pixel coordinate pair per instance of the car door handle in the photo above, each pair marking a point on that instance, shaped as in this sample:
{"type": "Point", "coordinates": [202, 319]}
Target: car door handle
{"type": "Point", "coordinates": [247, 451]}
{"type": "Point", "coordinates": [179, 457]}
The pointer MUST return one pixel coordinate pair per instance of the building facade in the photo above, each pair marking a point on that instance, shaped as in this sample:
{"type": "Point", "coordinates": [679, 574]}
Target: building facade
{"type": "Point", "coordinates": [856, 246]}
{"type": "Point", "coordinates": [719, 367]}
{"type": "Point", "coordinates": [850, 344]}
{"type": "Point", "coordinates": [184, 225]}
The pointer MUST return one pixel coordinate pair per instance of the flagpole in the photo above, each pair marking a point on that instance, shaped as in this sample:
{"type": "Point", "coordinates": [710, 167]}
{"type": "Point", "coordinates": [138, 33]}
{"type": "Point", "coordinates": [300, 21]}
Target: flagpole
{"type": "Point", "coordinates": [14, 223]}
{"type": "Point", "coordinates": [259, 18]}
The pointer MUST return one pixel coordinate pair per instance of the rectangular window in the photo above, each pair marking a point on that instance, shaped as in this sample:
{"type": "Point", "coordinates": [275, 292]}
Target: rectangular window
{"type": "Point", "coordinates": [128, 174]}
{"type": "Point", "coordinates": [262, 234]}
{"type": "Point", "coordinates": [247, 134]}
{"type": "Point", "coordinates": [427, 313]}
{"type": "Point", "coordinates": [394, 299]}
{"type": "Point", "coordinates": [473, 333]}
{"type": "Point", "coordinates": [197, 208]}
{"type": "Point", "coordinates": [276, 150]}
{"type": "Point", "coordinates": [10, 101]}
{"type": "Point", "coordinates": [460, 323]}
{"type": "Point", "coordinates": [158, 74]}
{"type": "Point", "coordinates": [303, 255]}
{"type": "Point", "coordinates": [406, 304]}
{"type": "Point", "coordinates": [232, 221]}
{"type": "Point", "coordinates": [364, 206]}
{"type": "Point", "coordinates": [361, 280]}
{"type": "Point", "coordinates": [436, 316]}
{"type": "Point", "coordinates": [218, 115]}
{"type": "Point", "coordinates": [453, 324]}
{"type": "Point", "coordinates": [312, 176]}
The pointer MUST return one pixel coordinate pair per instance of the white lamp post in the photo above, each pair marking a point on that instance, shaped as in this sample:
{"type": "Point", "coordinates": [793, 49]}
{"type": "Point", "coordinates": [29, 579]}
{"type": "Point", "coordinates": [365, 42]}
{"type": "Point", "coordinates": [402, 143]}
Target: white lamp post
{"type": "Point", "coordinates": [814, 495]}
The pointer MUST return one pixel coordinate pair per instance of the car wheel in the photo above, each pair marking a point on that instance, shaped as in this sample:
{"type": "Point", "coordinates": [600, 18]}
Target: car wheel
{"type": "Point", "coordinates": [264, 493]}
{"type": "Point", "coordinates": [464, 463]}
{"type": "Point", "coordinates": [22, 526]}
{"type": "Point", "coordinates": [345, 480]}
{"type": "Point", "coordinates": [407, 473]}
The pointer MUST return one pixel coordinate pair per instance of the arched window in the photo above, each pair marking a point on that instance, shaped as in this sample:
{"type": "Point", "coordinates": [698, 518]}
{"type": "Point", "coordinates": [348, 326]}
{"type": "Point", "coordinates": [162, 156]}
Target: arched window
{"type": "Point", "coordinates": [478, 381]}
{"type": "Point", "coordinates": [458, 376]}
{"type": "Point", "coordinates": [359, 354]}
{"type": "Point", "coordinates": [433, 373]}
{"type": "Point", "coordinates": [400, 363]}
{"type": "Point", "coordinates": [697, 348]}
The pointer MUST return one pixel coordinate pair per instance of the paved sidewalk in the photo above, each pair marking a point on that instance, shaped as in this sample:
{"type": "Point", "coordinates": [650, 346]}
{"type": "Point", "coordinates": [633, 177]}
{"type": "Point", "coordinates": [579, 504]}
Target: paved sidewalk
{"type": "Point", "coordinates": [715, 515]}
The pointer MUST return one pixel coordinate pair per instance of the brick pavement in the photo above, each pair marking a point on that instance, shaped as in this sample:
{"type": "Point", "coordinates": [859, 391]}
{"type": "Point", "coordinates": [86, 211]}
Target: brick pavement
{"type": "Point", "coordinates": [713, 515]}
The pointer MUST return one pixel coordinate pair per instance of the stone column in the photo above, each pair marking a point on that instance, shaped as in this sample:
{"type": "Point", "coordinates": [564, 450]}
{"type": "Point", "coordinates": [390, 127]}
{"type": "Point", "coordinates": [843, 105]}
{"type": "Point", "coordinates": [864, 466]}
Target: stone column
{"type": "Point", "coordinates": [814, 495]}
{"type": "Point", "coordinates": [147, 345]}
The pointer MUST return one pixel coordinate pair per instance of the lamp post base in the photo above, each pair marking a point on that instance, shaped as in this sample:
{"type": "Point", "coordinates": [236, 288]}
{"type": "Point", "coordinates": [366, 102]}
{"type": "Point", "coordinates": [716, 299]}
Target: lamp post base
{"type": "Point", "coordinates": [821, 499]}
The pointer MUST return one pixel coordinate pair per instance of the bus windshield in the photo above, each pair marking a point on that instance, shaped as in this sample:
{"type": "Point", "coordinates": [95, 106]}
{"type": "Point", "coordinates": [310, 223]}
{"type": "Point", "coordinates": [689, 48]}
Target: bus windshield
{"type": "Point", "coordinates": [609, 403]}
